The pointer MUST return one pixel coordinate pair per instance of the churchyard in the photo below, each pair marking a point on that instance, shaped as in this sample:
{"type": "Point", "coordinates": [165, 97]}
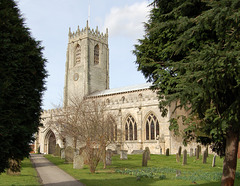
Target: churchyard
{"type": "Point", "coordinates": [144, 169]}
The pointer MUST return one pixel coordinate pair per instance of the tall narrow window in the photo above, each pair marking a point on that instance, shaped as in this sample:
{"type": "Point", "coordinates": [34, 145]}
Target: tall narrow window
{"type": "Point", "coordinates": [157, 128]}
{"type": "Point", "coordinates": [152, 127]}
{"type": "Point", "coordinates": [132, 126]}
{"type": "Point", "coordinates": [78, 54]}
{"type": "Point", "coordinates": [152, 131]}
{"type": "Point", "coordinates": [96, 54]}
{"type": "Point", "coordinates": [147, 131]}
{"type": "Point", "coordinates": [130, 131]}
{"type": "Point", "coordinates": [135, 131]}
{"type": "Point", "coordinates": [126, 132]}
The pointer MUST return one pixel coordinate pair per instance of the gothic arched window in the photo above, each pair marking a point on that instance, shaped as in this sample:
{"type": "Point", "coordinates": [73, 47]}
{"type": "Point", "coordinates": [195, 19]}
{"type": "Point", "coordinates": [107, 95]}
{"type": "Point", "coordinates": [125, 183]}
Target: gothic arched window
{"type": "Point", "coordinates": [132, 126]}
{"type": "Point", "coordinates": [153, 131]}
{"type": "Point", "coordinates": [96, 54]}
{"type": "Point", "coordinates": [78, 54]}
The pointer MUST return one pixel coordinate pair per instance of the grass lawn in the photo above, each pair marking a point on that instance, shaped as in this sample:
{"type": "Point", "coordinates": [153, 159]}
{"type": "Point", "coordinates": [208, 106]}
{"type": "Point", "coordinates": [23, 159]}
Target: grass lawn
{"type": "Point", "coordinates": [28, 176]}
{"type": "Point", "coordinates": [161, 170]}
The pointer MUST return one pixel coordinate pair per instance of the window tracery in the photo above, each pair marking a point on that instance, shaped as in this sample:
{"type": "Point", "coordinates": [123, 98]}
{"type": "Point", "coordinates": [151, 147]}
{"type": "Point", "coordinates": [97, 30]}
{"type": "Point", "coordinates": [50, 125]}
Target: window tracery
{"type": "Point", "coordinates": [152, 127]}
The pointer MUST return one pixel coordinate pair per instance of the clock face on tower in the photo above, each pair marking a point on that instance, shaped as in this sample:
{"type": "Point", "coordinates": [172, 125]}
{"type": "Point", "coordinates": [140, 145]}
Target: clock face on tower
{"type": "Point", "coordinates": [75, 77]}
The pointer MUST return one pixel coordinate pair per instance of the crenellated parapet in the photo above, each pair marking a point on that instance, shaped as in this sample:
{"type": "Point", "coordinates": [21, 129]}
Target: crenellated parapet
{"type": "Point", "coordinates": [87, 32]}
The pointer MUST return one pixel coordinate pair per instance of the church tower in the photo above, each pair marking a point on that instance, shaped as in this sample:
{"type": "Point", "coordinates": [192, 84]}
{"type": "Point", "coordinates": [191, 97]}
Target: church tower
{"type": "Point", "coordinates": [87, 63]}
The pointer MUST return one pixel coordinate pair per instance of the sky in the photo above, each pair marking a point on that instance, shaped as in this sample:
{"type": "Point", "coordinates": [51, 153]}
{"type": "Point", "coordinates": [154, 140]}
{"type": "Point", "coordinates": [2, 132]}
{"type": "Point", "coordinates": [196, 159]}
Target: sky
{"type": "Point", "coordinates": [49, 22]}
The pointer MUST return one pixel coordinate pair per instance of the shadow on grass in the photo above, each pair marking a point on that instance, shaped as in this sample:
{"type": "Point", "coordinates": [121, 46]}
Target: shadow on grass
{"type": "Point", "coordinates": [118, 182]}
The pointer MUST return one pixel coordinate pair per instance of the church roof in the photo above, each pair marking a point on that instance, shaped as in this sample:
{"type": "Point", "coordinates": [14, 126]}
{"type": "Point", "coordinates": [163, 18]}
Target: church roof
{"type": "Point", "coordinates": [121, 90]}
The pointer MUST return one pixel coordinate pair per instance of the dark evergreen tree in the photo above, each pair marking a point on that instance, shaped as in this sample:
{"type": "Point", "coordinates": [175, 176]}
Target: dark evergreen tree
{"type": "Point", "coordinates": [22, 74]}
{"type": "Point", "coordinates": [191, 54]}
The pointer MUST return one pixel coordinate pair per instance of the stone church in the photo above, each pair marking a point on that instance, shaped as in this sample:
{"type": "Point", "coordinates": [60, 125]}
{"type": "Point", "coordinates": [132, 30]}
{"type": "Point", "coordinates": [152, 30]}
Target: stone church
{"type": "Point", "coordinates": [136, 107]}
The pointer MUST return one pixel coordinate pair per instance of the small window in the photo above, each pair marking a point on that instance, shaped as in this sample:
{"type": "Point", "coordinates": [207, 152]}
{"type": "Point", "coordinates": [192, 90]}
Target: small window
{"type": "Point", "coordinates": [96, 54]}
{"type": "Point", "coordinates": [78, 54]}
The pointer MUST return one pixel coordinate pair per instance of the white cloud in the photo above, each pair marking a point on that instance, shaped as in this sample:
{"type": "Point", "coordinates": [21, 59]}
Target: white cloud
{"type": "Point", "coordinates": [128, 20]}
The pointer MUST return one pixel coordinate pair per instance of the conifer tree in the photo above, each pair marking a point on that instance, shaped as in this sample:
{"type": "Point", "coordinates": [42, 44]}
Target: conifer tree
{"type": "Point", "coordinates": [191, 54]}
{"type": "Point", "coordinates": [22, 74]}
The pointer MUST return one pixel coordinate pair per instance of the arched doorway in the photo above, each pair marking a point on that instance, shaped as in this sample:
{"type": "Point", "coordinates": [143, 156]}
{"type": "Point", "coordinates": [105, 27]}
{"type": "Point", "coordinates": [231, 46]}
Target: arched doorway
{"type": "Point", "coordinates": [50, 142]}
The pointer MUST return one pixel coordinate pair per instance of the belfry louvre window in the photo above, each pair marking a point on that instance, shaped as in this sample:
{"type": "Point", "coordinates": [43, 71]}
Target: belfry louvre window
{"type": "Point", "coordinates": [78, 54]}
{"type": "Point", "coordinates": [130, 129]}
{"type": "Point", "coordinates": [152, 127]}
{"type": "Point", "coordinates": [96, 54]}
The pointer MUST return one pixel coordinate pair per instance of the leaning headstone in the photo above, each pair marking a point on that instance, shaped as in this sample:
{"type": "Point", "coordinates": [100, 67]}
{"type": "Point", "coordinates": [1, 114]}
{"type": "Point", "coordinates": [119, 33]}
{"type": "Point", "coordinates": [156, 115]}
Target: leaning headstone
{"type": "Point", "coordinates": [78, 162]}
{"type": "Point", "coordinates": [148, 153]}
{"type": "Point", "coordinates": [184, 157]}
{"type": "Point", "coordinates": [214, 161]}
{"type": "Point", "coordinates": [62, 153]}
{"type": "Point", "coordinates": [109, 157]}
{"type": "Point", "coordinates": [123, 155]}
{"type": "Point", "coordinates": [204, 157]}
{"type": "Point", "coordinates": [177, 157]}
{"type": "Point", "coordinates": [180, 151]}
{"type": "Point", "coordinates": [145, 158]}
{"type": "Point", "coordinates": [167, 152]}
{"type": "Point", "coordinates": [191, 152]}
{"type": "Point", "coordinates": [57, 151]}
{"type": "Point", "coordinates": [197, 153]}
{"type": "Point", "coordinates": [69, 153]}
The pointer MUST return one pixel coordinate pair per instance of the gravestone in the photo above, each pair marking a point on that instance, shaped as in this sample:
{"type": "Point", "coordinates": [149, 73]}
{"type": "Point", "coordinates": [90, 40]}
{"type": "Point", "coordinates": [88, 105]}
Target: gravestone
{"type": "Point", "coordinates": [207, 150]}
{"type": "Point", "coordinates": [148, 153]}
{"type": "Point", "coordinates": [191, 152]}
{"type": "Point", "coordinates": [197, 153]}
{"type": "Point", "coordinates": [145, 158]}
{"type": "Point", "coordinates": [199, 149]}
{"type": "Point", "coordinates": [78, 162]}
{"type": "Point", "coordinates": [123, 155]}
{"type": "Point", "coordinates": [57, 151]}
{"type": "Point", "coordinates": [214, 161]}
{"type": "Point", "coordinates": [167, 152]}
{"type": "Point", "coordinates": [180, 151]}
{"type": "Point", "coordinates": [69, 153]}
{"type": "Point", "coordinates": [62, 153]}
{"type": "Point", "coordinates": [160, 151]}
{"type": "Point", "coordinates": [204, 157]}
{"type": "Point", "coordinates": [184, 157]}
{"type": "Point", "coordinates": [109, 154]}
{"type": "Point", "coordinates": [177, 157]}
